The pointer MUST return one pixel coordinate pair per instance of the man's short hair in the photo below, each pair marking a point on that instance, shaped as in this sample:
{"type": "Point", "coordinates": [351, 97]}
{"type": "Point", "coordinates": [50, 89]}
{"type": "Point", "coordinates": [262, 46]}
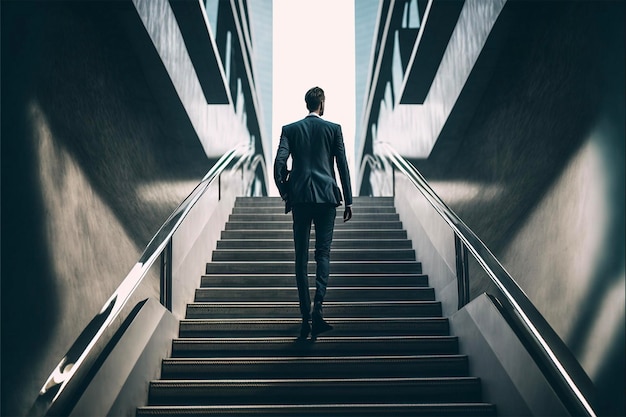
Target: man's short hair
{"type": "Point", "coordinates": [314, 98]}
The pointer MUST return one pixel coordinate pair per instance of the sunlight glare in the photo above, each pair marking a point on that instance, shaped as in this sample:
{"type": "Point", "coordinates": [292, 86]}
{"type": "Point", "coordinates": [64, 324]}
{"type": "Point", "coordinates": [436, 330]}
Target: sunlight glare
{"type": "Point", "coordinates": [313, 46]}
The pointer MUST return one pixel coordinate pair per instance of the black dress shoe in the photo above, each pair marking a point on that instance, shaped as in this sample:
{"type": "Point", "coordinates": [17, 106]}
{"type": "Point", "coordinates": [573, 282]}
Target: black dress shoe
{"type": "Point", "coordinates": [305, 329]}
{"type": "Point", "coordinates": [320, 326]}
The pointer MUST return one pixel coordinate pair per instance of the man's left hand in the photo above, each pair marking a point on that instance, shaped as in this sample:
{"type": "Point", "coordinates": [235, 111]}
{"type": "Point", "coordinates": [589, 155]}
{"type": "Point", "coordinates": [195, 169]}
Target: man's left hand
{"type": "Point", "coordinates": [347, 214]}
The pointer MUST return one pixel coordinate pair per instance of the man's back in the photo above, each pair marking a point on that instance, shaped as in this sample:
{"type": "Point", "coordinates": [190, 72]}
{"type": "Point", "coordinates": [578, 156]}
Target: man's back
{"type": "Point", "coordinates": [314, 144]}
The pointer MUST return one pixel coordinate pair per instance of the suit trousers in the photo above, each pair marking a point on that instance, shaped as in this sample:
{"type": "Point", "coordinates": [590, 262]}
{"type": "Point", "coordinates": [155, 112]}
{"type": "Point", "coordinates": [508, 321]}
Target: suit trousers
{"type": "Point", "coordinates": [323, 217]}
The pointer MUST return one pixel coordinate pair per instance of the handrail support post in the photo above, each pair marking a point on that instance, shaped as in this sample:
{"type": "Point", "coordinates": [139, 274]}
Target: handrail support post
{"type": "Point", "coordinates": [166, 276]}
{"type": "Point", "coordinates": [462, 271]}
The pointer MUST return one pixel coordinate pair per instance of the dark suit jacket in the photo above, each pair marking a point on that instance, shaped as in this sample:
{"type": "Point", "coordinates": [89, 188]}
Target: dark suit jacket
{"type": "Point", "coordinates": [314, 145]}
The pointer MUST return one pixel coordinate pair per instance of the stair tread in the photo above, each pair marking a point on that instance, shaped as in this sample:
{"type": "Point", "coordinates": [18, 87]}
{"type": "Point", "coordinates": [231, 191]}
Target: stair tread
{"type": "Point", "coordinates": [328, 390]}
{"type": "Point", "coordinates": [334, 294]}
{"type": "Point", "coordinates": [343, 409]}
{"type": "Point", "coordinates": [375, 275]}
{"type": "Point", "coordinates": [337, 244]}
{"type": "Point", "coordinates": [369, 262]}
{"type": "Point", "coordinates": [289, 320]}
{"type": "Point", "coordinates": [326, 304]}
{"type": "Point", "coordinates": [291, 359]}
{"type": "Point", "coordinates": [318, 406]}
{"type": "Point", "coordinates": [357, 255]}
{"type": "Point", "coordinates": [320, 339]}
{"type": "Point", "coordinates": [361, 326]}
{"type": "Point", "coordinates": [313, 381]}
{"type": "Point", "coordinates": [384, 251]}
{"type": "Point", "coordinates": [269, 209]}
{"type": "Point", "coordinates": [288, 225]}
{"type": "Point", "coordinates": [322, 406]}
{"type": "Point", "coordinates": [271, 267]}
{"type": "Point", "coordinates": [276, 216]}
{"type": "Point", "coordinates": [381, 239]}
{"type": "Point", "coordinates": [326, 366]}
{"type": "Point", "coordinates": [328, 344]}
{"type": "Point", "coordinates": [338, 250]}
{"type": "Point", "coordinates": [260, 280]}
{"type": "Point", "coordinates": [354, 288]}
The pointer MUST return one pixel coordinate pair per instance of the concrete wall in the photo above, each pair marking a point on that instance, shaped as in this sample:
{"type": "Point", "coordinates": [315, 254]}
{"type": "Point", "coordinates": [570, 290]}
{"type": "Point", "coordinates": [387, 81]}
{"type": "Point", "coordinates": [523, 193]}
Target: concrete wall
{"type": "Point", "coordinates": [533, 162]}
{"type": "Point", "coordinates": [122, 381]}
{"type": "Point", "coordinates": [509, 376]}
{"type": "Point", "coordinates": [95, 156]}
{"type": "Point", "coordinates": [433, 241]}
{"type": "Point", "coordinates": [197, 238]}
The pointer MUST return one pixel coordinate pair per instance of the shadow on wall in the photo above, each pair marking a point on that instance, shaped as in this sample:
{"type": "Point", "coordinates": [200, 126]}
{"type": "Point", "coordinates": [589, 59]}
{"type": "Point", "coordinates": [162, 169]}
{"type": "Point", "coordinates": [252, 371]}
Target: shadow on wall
{"type": "Point", "coordinates": [90, 170]}
{"type": "Point", "coordinates": [555, 92]}
{"type": "Point", "coordinates": [536, 112]}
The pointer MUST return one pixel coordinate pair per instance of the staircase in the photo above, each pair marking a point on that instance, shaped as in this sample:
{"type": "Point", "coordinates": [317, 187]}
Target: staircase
{"type": "Point", "coordinates": [390, 353]}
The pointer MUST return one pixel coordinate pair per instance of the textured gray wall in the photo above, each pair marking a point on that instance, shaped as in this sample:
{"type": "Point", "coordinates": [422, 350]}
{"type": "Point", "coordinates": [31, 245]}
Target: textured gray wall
{"type": "Point", "coordinates": [536, 169]}
{"type": "Point", "coordinates": [91, 167]}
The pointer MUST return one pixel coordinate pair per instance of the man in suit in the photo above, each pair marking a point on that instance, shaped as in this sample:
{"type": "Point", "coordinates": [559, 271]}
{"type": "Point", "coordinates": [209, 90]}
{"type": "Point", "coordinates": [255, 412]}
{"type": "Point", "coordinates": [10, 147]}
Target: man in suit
{"type": "Point", "coordinates": [311, 191]}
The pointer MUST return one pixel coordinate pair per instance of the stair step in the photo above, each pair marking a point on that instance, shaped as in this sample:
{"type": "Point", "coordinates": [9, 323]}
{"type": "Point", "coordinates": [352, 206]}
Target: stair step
{"type": "Point", "coordinates": [316, 367]}
{"type": "Point", "coordinates": [327, 410]}
{"type": "Point", "coordinates": [288, 225]}
{"type": "Point", "coordinates": [399, 326]}
{"type": "Point", "coordinates": [336, 244]}
{"type": "Point", "coordinates": [267, 293]}
{"type": "Point", "coordinates": [327, 390]}
{"type": "Point", "coordinates": [336, 255]}
{"type": "Point", "coordinates": [332, 310]}
{"type": "Point", "coordinates": [340, 267]}
{"type": "Point", "coordinates": [323, 345]}
{"type": "Point", "coordinates": [272, 217]}
{"type": "Point", "coordinates": [339, 233]}
{"type": "Point", "coordinates": [280, 210]}
{"type": "Point", "coordinates": [278, 202]}
{"type": "Point", "coordinates": [335, 280]}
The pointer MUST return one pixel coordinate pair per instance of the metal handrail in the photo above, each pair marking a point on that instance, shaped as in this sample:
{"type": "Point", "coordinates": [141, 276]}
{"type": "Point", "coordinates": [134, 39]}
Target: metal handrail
{"type": "Point", "coordinates": [551, 349]}
{"type": "Point", "coordinates": [253, 164]}
{"type": "Point", "coordinates": [85, 343]}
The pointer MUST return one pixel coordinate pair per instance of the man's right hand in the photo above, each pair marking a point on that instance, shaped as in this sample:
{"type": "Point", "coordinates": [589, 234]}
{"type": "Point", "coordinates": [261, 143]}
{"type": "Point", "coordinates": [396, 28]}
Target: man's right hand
{"type": "Point", "coordinates": [347, 214]}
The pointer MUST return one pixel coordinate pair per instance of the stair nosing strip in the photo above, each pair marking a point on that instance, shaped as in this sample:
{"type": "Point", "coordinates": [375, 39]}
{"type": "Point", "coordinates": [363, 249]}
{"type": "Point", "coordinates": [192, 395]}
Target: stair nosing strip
{"type": "Point", "coordinates": [325, 405]}
{"type": "Point", "coordinates": [341, 275]}
{"type": "Point", "coordinates": [298, 320]}
{"type": "Point", "coordinates": [373, 262]}
{"type": "Point", "coordinates": [355, 288]}
{"type": "Point", "coordinates": [245, 359]}
{"type": "Point", "coordinates": [320, 338]}
{"type": "Point", "coordinates": [314, 380]}
{"type": "Point", "coordinates": [326, 303]}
